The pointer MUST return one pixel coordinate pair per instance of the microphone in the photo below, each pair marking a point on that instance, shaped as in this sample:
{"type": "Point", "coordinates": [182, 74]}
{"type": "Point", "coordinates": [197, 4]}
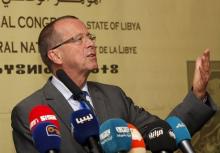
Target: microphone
{"type": "Point", "coordinates": [70, 84]}
{"type": "Point", "coordinates": [42, 113]}
{"type": "Point", "coordinates": [137, 141]}
{"type": "Point", "coordinates": [76, 91]}
{"type": "Point", "coordinates": [85, 129]}
{"type": "Point", "coordinates": [115, 136]}
{"type": "Point", "coordinates": [46, 138]}
{"type": "Point", "coordinates": [160, 137]}
{"type": "Point", "coordinates": [183, 136]}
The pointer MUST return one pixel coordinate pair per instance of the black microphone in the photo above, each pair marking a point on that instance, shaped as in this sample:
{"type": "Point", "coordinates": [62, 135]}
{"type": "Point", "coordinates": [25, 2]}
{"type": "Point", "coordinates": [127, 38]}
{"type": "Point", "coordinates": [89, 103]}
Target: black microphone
{"type": "Point", "coordinates": [71, 85]}
{"type": "Point", "coordinates": [93, 144]}
{"type": "Point", "coordinates": [160, 137]}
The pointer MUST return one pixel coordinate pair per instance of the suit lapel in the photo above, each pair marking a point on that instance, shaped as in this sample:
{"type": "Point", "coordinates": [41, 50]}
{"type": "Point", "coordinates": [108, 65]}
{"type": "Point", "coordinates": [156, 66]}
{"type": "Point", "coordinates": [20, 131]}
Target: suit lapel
{"type": "Point", "coordinates": [99, 102]}
{"type": "Point", "coordinates": [63, 110]}
{"type": "Point", "coordinates": [58, 103]}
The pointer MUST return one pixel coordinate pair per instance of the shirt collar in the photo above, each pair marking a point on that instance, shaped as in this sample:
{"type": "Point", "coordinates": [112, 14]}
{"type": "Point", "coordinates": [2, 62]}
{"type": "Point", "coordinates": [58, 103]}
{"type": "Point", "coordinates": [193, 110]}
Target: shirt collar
{"type": "Point", "coordinates": [63, 89]}
{"type": "Point", "coordinates": [85, 88]}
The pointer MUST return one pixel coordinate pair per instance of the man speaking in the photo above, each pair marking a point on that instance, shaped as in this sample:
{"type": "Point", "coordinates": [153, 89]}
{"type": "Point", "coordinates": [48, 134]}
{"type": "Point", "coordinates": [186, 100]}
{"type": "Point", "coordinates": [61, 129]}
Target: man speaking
{"type": "Point", "coordinates": [67, 44]}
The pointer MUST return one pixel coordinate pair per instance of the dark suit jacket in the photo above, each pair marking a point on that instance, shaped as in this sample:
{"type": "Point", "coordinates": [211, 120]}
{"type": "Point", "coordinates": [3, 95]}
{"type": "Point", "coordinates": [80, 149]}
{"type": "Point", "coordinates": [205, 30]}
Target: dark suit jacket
{"type": "Point", "coordinates": [109, 102]}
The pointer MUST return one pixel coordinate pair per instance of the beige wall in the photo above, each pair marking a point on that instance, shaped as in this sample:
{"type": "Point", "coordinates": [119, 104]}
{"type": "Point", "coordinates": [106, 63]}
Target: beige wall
{"type": "Point", "coordinates": [167, 35]}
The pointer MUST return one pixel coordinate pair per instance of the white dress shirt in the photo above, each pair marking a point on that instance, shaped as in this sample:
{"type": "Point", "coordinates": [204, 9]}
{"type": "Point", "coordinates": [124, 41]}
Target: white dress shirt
{"type": "Point", "coordinates": [68, 94]}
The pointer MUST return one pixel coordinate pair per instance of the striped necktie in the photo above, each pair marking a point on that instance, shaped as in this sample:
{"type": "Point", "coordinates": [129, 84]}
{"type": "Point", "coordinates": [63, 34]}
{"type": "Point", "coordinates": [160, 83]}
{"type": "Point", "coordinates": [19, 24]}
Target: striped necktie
{"type": "Point", "coordinates": [84, 104]}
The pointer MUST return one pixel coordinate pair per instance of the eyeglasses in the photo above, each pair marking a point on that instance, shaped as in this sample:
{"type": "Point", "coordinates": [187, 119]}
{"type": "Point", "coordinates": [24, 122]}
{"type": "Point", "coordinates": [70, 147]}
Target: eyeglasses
{"type": "Point", "coordinates": [79, 39]}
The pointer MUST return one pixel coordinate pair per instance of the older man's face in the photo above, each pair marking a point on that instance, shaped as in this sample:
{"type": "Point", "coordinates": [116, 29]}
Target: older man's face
{"type": "Point", "coordinates": [79, 53]}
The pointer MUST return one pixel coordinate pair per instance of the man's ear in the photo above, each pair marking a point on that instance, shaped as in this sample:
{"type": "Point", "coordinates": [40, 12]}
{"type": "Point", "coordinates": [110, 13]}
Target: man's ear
{"type": "Point", "coordinates": [54, 56]}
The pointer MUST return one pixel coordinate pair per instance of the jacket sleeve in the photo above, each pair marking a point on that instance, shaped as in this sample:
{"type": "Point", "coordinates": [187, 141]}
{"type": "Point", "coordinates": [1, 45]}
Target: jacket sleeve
{"type": "Point", "coordinates": [193, 112]}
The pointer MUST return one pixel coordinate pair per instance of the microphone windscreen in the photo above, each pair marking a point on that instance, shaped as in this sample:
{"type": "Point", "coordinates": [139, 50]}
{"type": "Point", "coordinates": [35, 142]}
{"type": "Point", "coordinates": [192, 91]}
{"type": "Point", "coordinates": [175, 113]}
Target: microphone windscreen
{"type": "Point", "coordinates": [115, 136]}
{"type": "Point", "coordinates": [84, 125]}
{"type": "Point", "coordinates": [137, 139]}
{"type": "Point", "coordinates": [46, 137]}
{"type": "Point", "coordinates": [179, 128]}
{"type": "Point", "coordinates": [137, 143]}
{"type": "Point", "coordinates": [42, 113]}
{"type": "Point", "coordinates": [160, 137]}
